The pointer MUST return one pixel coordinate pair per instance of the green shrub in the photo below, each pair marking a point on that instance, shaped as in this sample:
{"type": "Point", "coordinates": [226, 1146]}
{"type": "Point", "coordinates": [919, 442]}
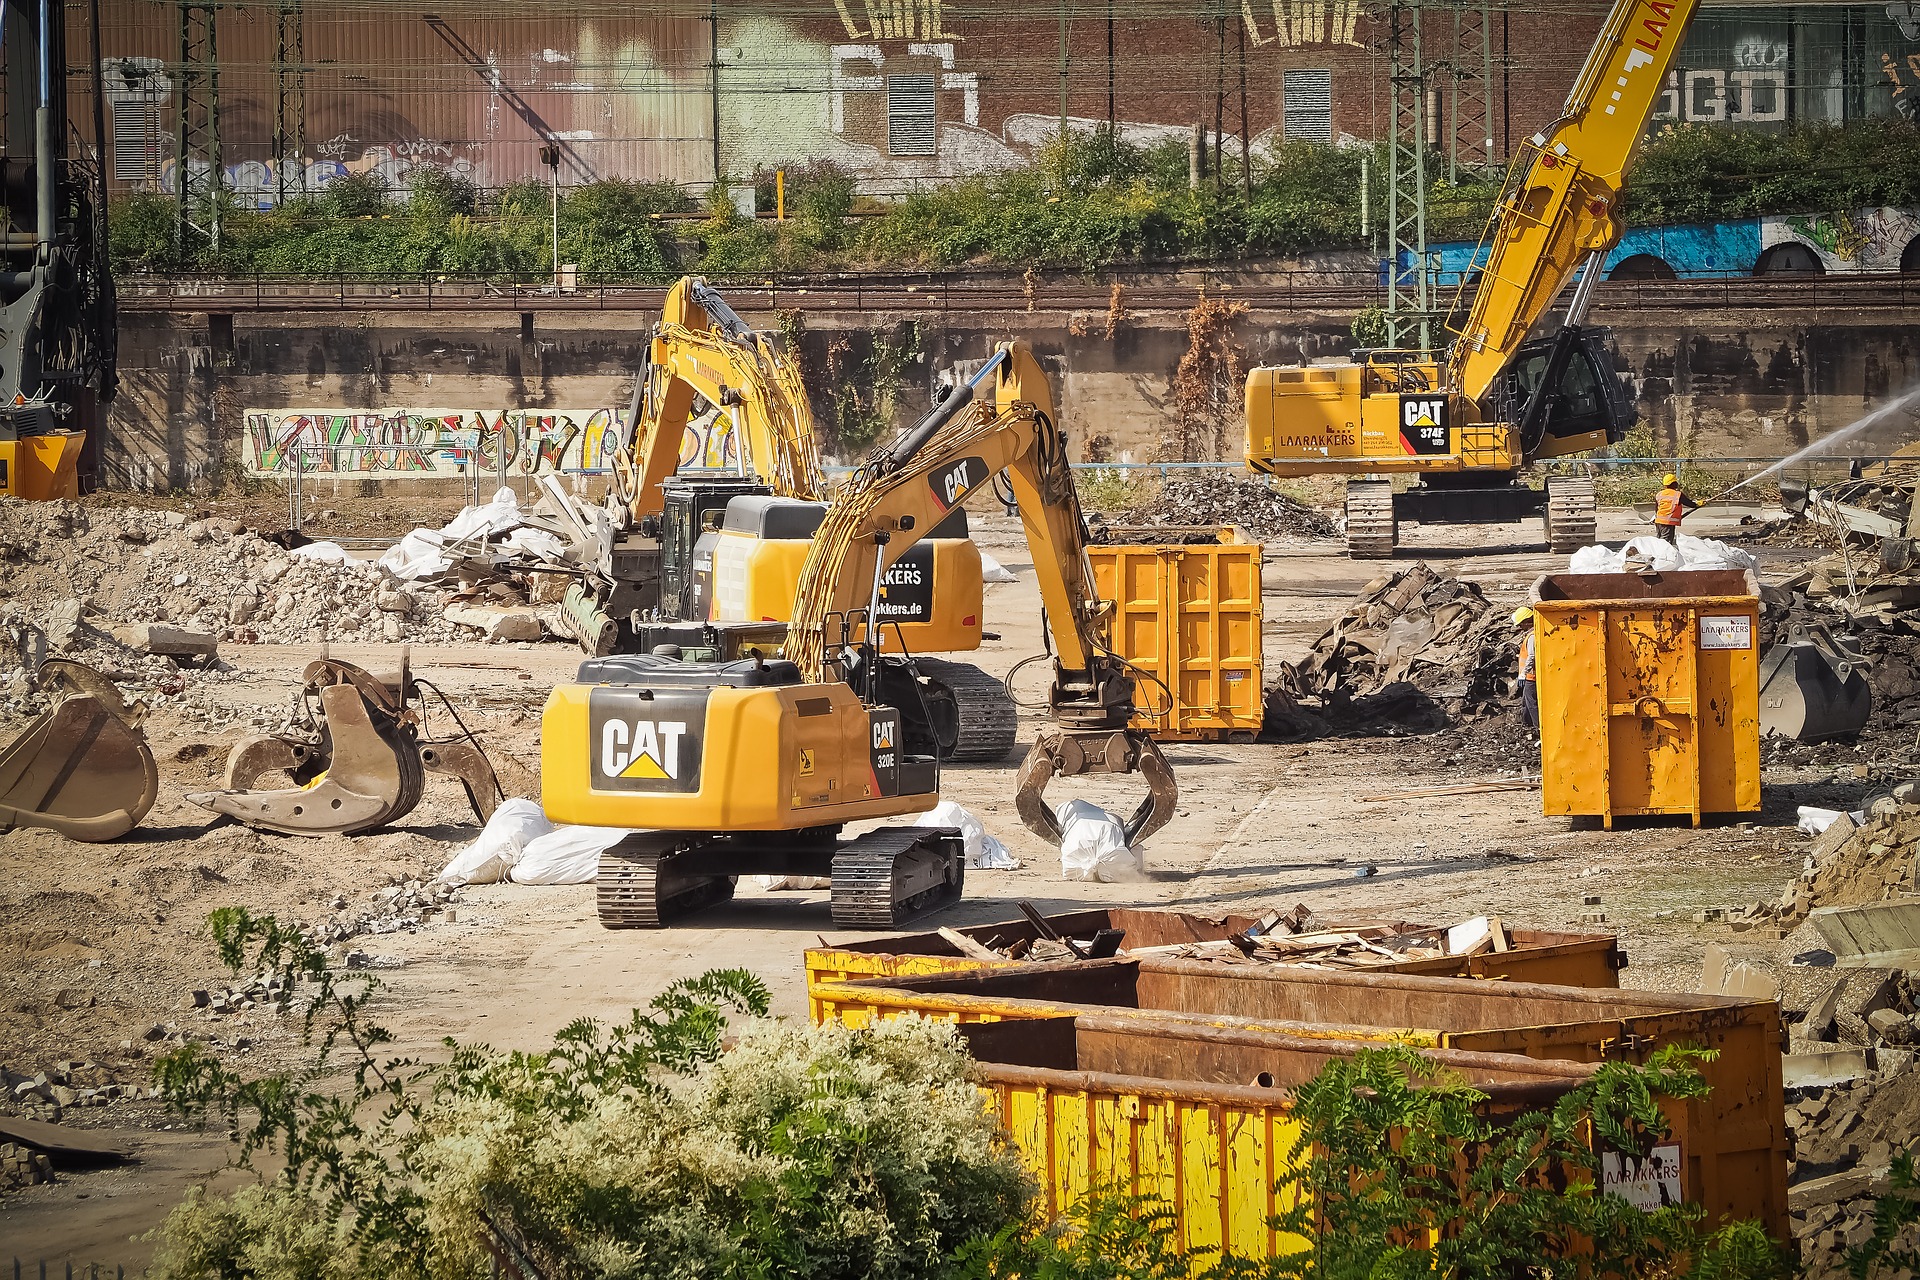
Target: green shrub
{"type": "Point", "coordinates": [141, 233]}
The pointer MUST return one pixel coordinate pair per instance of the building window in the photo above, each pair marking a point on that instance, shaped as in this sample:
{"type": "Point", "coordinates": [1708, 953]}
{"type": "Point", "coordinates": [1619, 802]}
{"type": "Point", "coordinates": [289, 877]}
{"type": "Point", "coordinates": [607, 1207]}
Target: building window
{"type": "Point", "coordinates": [136, 137]}
{"type": "Point", "coordinates": [1308, 100]}
{"type": "Point", "coordinates": [910, 115]}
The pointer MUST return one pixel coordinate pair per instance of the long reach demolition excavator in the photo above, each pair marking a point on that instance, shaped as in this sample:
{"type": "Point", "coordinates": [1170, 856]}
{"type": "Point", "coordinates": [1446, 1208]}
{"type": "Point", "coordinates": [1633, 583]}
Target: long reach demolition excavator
{"type": "Point", "coordinates": [679, 550]}
{"type": "Point", "coordinates": [753, 765]}
{"type": "Point", "coordinates": [1465, 421]}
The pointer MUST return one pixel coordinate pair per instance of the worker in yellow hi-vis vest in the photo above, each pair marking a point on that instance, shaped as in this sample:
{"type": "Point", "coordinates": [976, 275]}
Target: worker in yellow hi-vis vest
{"type": "Point", "coordinates": [1670, 507]}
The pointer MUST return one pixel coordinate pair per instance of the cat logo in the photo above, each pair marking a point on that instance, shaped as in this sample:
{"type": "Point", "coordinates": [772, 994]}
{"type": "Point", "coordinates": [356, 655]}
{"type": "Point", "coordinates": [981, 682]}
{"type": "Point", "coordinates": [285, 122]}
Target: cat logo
{"type": "Point", "coordinates": [806, 762]}
{"type": "Point", "coordinates": [647, 749]}
{"type": "Point", "coordinates": [645, 743]}
{"type": "Point", "coordinates": [1423, 424]}
{"type": "Point", "coordinates": [955, 482]}
{"type": "Point", "coordinates": [883, 735]}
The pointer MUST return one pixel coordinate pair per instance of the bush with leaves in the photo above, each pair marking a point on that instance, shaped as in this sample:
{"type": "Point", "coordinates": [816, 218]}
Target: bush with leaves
{"type": "Point", "coordinates": [637, 1149]}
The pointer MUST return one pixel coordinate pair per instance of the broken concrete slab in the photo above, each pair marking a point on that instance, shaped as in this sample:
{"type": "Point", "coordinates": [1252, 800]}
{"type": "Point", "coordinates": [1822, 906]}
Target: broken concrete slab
{"type": "Point", "coordinates": [1877, 935]}
{"type": "Point", "coordinates": [1812, 1068]}
{"type": "Point", "coordinates": [1832, 1189]}
{"type": "Point", "coordinates": [60, 1139]}
{"type": "Point", "coordinates": [170, 642]}
{"type": "Point", "coordinates": [512, 623]}
{"type": "Point", "coordinates": [1721, 974]}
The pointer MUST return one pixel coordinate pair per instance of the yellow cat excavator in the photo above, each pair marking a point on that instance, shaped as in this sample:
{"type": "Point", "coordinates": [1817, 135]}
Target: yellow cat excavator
{"type": "Point", "coordinates": [753, 765]}
{"type": "Point", "coordinates": [1464, 422]}
{"type": "Point", "coordinates": [681, 550]}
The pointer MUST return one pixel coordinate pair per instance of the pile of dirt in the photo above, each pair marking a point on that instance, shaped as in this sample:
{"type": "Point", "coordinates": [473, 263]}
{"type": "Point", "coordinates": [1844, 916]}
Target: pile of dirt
{"type": "Point", "coordinates": [1209, 499]}
{"type": "Point", "coordinates": [1415, 652]}
{"type": "Point", "coordinates": [83, 570]}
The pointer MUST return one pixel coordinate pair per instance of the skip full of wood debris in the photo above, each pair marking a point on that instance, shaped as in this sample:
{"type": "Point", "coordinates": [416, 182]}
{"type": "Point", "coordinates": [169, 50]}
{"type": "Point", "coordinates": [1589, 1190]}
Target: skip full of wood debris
{"type": "Point", "coordinates": [1297, 937]}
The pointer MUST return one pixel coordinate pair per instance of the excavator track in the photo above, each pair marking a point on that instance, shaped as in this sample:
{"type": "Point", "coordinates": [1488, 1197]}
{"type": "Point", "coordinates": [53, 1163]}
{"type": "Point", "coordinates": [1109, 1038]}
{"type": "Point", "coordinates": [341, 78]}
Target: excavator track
{"type": "Point", "coordinates": [1572, 513]}
{"type": "Point", "coordinates": [884, 878]}
{"type": "Point", "coordinates": [645, 882]}
{"type": "Point", "coordinates": [989, 722]}
{"type": "Point", "coordinates": [1371, 527]}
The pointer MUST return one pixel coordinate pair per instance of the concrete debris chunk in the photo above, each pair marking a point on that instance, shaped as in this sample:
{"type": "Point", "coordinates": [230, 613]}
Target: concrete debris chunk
{"type": "Point", "coordinates": [1204, 502]}
{"type": "Point", "coordinates": [513, 623]}
{"type": "Point", "coordinates": [171, 642]}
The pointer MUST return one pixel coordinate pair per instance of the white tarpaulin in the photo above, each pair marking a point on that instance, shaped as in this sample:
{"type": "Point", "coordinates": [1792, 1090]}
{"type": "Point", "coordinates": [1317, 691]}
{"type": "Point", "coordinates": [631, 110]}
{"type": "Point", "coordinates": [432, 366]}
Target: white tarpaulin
{"type": "Point", "coordinates": [514, 825]}
{"type": "Point", "coordinates": [983, 851]}
{"type": "Point", "coordinates": [418, 555]}
{"type": "Point", "coordinates": [324, 552]}
{"type": "Point", "coordinates": [1093, 845]}
{"type": "Point", "coordinates": [1650, 552]}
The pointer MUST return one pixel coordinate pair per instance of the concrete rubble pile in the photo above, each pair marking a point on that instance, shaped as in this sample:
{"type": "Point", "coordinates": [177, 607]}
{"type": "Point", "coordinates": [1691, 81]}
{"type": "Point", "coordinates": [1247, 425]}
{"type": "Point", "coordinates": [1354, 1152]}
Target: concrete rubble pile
{"type": "Point", "coordinates": [49, 1093]}
{"type": "Point", "coordinates": [116, 581]}
{"type": "Point", "coordinates": [1210, 499]}
{"type": "Point", "coordinates": [1853, 1091]}
{"type": "Point", "coordinates": [1415, 651]}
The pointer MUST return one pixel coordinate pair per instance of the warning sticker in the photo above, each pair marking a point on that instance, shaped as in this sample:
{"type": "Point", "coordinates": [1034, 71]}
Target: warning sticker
{"type": "Point", "coordinates": [1726, 633]}
{"type": "Point", "coordinates": [1652, 1183]}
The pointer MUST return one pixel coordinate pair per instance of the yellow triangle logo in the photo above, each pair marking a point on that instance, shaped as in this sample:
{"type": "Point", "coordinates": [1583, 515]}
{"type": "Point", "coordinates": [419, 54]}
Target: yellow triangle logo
{"type": "Point", "coordinates": [1425, 421]}
{"type": "Point", "coordinates": [644, 766]}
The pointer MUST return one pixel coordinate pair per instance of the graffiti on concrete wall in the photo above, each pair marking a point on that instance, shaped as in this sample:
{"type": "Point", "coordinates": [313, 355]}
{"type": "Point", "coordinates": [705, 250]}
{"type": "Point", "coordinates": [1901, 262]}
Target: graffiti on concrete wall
{"type": "Point", "coordinates": [1863, 240]}
{"type": "Point", "coordinates": [1903, 76]}
{"type": "Point", "coordinates": [427, 444]}
{"type": "Point", "coordinates": [257, 182]}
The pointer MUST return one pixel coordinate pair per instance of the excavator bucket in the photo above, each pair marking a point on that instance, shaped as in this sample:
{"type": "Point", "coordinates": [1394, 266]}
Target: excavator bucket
{"type": "Point", "coordinates": [1072, 752]}
{"type": "Point", "coordinates": [354, 757]}
{"type": "Point", "coordinates": [1813, 687]}
{"type": "Point", "coordinates": [83, 767]}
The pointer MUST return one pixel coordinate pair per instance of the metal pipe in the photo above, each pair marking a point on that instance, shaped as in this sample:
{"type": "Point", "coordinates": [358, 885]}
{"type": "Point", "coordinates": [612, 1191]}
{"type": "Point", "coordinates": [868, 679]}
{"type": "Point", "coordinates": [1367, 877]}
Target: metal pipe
{"type": "Point", "coordinates": [1583, 292]}
{"type": "Point", "coordinates": [722, 316]}
{"type": "Point", "coordinates": [43, 161]}
{"type": "Point", "coordinates": [915, 437]}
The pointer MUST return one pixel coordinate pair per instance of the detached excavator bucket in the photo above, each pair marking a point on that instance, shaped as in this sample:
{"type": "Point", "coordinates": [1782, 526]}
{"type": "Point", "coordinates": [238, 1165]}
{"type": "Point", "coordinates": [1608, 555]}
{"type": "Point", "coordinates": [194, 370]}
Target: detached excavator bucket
{"type": "Point", "coordinates": [83, 767]}
{"type": "Point", "coordinates": [1813, 687]}
{"type": "Point", "coordinates": [354, 756]}
{"type": "Point", "coordinates": [1072, 752]}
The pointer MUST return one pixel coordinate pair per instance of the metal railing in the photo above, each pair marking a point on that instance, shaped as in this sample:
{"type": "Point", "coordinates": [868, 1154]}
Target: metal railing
{"type": "Point", "coordinates": [950, 292]}
{"type": "Point", "coordinates": [87, 1271]}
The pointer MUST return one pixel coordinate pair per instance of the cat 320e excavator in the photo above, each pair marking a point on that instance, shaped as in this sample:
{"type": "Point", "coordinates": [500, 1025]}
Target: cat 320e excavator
{"type": "Point", "coordinates": [1465, 421]}
{"type": "Point", "coordinates": [683, 549]}
{"type": "Point", "coordinates": [752, 766]}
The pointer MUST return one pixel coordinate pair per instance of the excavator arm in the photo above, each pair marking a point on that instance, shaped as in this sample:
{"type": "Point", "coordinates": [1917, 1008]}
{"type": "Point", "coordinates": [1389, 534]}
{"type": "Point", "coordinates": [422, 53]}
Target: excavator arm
{"type": "Point", "coordinates": [1001, 420]}
{"type": "Point", "coordinates": [1560, 205]}
{"type": "Point", "coordinates": [702, 348]}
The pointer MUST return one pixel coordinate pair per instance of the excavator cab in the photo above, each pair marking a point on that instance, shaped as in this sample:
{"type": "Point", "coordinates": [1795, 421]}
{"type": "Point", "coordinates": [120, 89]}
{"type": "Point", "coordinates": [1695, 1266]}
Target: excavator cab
{"type": "Point", "coordinates": [1589, 406]}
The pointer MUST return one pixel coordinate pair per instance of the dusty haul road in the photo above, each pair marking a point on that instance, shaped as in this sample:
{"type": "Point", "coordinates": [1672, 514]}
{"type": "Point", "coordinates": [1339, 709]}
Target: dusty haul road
{"type": "Point", "coordinates": [102, 944]}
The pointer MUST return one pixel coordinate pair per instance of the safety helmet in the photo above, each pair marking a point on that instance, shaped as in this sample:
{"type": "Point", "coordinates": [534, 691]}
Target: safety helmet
{"type": "Point", "coordinates": [1522, 616]}
{"type": "Point", "coordinates": [1670, 478]}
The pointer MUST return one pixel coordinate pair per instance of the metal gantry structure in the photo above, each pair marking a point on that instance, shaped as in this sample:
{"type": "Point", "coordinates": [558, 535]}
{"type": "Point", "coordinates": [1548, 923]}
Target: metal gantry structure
{"type": "Point", "coordinates": [197, 168]}
{"type": "Point", "coordinates": [289, 102]}
{"type": "Point", "coordinates": [1461, 78]}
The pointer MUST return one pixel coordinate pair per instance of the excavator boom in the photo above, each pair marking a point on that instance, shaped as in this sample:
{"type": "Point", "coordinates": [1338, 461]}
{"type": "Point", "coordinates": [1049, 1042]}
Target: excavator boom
{"type": "Point", "coordinates": [1560, 206]}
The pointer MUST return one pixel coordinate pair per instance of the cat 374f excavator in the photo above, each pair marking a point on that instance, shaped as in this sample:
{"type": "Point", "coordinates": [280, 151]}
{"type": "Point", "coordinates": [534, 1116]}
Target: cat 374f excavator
{"type": "Point", "coordinates": [1464, 422]}
{"type": "Point", "coordinates": [57, 329]}
{"type": "Point", "coordinates": [753, 765]}
{"type": "Point", "coordinates": [681, 550]}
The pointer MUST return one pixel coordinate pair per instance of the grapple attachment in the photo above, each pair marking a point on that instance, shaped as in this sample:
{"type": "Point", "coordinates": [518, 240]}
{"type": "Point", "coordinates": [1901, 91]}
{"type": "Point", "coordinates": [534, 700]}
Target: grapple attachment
{"type": "Point", "coordinates": [1813, 687]}
{"type": "Point", "coordinates": [83, 767]}
{"type": "Point", "coordinates": [1071, 752]}
{"type": "Point", "coordinates": [354, 754]}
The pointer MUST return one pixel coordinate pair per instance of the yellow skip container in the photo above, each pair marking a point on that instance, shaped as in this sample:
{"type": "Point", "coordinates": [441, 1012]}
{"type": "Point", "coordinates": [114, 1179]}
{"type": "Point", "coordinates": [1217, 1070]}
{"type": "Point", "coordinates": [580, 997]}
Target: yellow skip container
{"type": "Point", "coordinates": [1649, 693]}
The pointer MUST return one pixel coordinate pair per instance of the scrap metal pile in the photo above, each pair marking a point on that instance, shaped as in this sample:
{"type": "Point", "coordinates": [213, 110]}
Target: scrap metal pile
{"type": "Point", "coordinates": [1210, 499]}
{"type": "Point", "coordinates": [1415, 651]}
{"type": "Point", "coordinates": [1298, 937]}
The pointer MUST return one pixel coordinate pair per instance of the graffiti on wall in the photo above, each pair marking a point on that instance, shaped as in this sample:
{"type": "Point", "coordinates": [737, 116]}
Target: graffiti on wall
{"type": "Point", "coordinates": [429, 444]}
{"type": "Point", "coordinates": [1903, 75]}
{"type": "Point", "coordinates": [1864, 240]}
{"type": "Point", "coordinates": [1292, 23]}
{"type": "Point", "coordinates": [257, 182]}
{"type": "Point", "coordinates": [896, 20]}
{"type": "Point", "coordinates": [1741, 94]}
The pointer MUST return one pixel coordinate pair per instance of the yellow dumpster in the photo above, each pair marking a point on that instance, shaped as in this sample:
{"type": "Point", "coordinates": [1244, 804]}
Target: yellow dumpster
{"type": "Point", "coordinates": [1649, 693]}
{"type": "Point", "coordinates": [1188, 616]}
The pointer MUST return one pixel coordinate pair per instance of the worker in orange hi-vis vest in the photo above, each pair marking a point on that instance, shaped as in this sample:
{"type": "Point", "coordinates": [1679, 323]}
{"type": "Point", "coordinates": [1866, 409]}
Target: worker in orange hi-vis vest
{"type": "Point", "coordinates": [1528, 685]}
{"type": "Point", "coordinates": [1670, 507]}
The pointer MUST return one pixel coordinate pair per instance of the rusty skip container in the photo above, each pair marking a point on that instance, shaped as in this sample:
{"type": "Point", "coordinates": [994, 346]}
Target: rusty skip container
{"type": "Point", "coordinates": [1649, 693]}
{"type": "Point", "coordinates": [1199, 1117]}
{"type": "Point", "coordinates": [1188, 616]}
{"type": "Point", "coordinates": [1537, 955]}
{"type": "Point", "coordinates": [1737, 1158]}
